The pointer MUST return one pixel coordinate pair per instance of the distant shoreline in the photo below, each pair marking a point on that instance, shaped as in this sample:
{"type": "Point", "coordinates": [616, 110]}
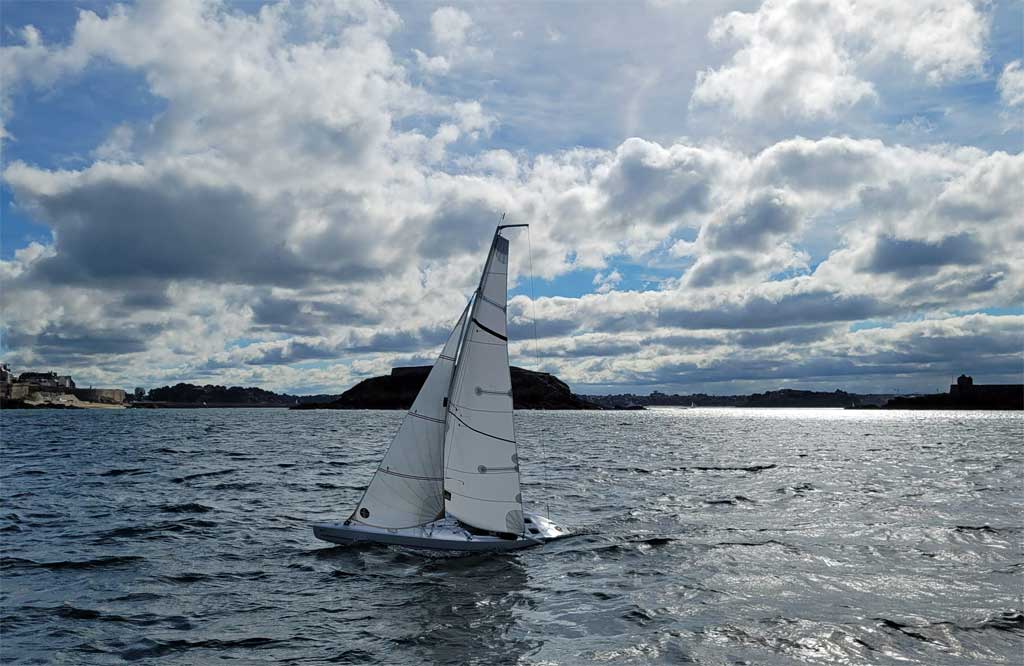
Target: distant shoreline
{"type": "Point", "coordinates": [530, 390]}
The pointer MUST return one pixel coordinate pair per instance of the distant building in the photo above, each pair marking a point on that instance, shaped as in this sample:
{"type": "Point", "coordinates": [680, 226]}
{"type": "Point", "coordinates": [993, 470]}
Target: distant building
{"type": "Point", "coordinates": [47, 381]}
{"type": "Point", "coordinates": [6, 379]}
{"type": "Point", "coordinates": [966, 390]}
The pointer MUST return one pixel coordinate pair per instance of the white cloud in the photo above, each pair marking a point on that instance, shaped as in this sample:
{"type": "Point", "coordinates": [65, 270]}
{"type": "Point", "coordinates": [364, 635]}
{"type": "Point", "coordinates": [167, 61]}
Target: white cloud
{"type": "Point", "coordinates": [450, 27]}
{"type": "Point", "coordinates": [802, 58]}
{"type": "Point", "coordinates": [1011, 84]}
{"type": "Point", "coordinates": [606, 283]}
{"type": "Point", "coordinates": [452, 31]}
{"type": "Point", "coordinates": [432, 64]}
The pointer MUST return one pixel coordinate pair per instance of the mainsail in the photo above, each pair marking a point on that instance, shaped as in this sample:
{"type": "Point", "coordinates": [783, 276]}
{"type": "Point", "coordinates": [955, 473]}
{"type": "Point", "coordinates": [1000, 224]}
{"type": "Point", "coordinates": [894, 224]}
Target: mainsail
{"type": "Point", "coordinates": [406, 489]}
{"type": "Point", "coordinates": [481, 465]}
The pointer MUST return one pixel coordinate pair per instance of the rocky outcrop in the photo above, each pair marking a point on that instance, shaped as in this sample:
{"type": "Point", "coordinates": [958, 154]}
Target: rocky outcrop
{"type": "Point", "coordinates": [210, 395]}
{"type": "Point", "coordinates": [530, 390]}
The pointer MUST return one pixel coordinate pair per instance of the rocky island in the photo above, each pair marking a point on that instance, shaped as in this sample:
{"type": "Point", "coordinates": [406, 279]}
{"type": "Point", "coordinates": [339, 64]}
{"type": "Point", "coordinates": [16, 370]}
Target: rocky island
{"type": "Point", "coordinates": [530, 390]}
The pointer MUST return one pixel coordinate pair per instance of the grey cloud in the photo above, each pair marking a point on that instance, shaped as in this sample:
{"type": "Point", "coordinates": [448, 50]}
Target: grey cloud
{"type": "Point", "coordinates": [828, 165]}
{"type": "Point", "coordinates": [789, 335]}
{"type": "Point", "coordinates": [718, 269]}
{"type": "Point", "coordinates": [169, 228]}
{"type": "Point", "coordinates": [294, 352]}
{"type": "Point", "coordinates": [604, 348]}
{"type": "Point", "coordinates": [77, 344]}
{"type": "Point", "coordinates": [457, 226]}
{"type": "Point", "coordinates": [677, 341]}
{"type": "Point", "coordinates": [636, 187]}
{"type": "Point", "coordinates": [909, 257]}
{"type": "Point", "coordinates": [973, 211]}
{"type": "Point", "coordinates": [891, 196]}
{"type": "Point", "coordinates": [427, 339]}
{"type": "Point", "coordinates": [969, 283]}
{"type": "Point", "coordinates": [828, 372]}
{"type": "Point", "coordinates": [155, 299]}
{"type": "Point", "coordinates": [764, 216]}
{"type": "Point", "coordinates": [138, 296]}
{"type": "Point", "coordinates": [307, 317]}
{"type": "Point", "coordinates": [759, 312]}
{"type": "Point", "coordinates": [402, 341]}
{"type": "Point", "coordinates": [755, 313]}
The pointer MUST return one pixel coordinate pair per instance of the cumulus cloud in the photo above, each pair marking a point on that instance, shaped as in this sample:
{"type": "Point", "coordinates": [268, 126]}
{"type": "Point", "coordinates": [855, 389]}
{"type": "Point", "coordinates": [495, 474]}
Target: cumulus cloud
{"type": "Point", "coordinates": [307, 211]}
{"type": "Point", "coordinates": [452, 33]}
{"type": "Point", "coordinates": [805, 58]}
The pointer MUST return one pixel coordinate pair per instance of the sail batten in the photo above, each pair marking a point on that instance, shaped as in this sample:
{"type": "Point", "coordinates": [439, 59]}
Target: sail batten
{"type": "Point", "coordinates": [481, 474]}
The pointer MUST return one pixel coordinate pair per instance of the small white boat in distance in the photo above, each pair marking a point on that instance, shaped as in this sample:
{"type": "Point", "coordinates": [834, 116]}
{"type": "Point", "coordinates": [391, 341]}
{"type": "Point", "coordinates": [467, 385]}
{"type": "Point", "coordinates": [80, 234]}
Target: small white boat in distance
{"type": "Point", "coordinates": [450, 479]}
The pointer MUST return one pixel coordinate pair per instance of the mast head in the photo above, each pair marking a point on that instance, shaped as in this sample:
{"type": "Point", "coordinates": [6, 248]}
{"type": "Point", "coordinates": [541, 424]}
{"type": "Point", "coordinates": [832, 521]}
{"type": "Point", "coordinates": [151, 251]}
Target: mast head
{"type": "Point", "coordinates": [508, 226]}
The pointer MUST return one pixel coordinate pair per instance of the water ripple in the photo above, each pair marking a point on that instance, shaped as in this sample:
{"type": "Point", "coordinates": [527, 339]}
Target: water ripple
{"type": "Point", "coordinates": [705, 536]}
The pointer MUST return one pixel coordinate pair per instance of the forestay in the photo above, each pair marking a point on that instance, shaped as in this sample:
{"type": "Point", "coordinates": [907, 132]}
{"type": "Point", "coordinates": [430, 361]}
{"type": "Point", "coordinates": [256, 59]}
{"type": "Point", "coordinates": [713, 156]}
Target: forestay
{"type": "Point", "coordinates": [406, 490]}
{"type": "Point", "coordinates": [481, 473]}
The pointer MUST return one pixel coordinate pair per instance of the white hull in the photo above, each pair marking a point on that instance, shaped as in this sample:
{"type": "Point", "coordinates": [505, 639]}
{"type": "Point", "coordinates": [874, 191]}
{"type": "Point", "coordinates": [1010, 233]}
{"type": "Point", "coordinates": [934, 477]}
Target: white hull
{"type": "Point", "coordinates": [444, 534]}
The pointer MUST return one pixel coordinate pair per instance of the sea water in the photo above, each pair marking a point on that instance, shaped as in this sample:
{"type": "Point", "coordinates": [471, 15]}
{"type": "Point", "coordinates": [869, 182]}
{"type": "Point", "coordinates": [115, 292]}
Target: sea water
{"type": "Point", "coordinates": [711, 536]}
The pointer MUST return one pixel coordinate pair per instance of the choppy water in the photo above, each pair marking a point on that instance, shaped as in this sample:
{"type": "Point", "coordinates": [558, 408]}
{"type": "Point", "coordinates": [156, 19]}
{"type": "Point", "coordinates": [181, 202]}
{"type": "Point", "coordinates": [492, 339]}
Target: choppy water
{"type": "Point", "coordinates": [718, 536]}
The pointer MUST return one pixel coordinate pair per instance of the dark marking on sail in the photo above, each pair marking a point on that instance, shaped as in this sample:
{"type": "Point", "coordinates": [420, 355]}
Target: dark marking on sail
{"type": "Point", "coordinates": [412, 476]}
{"type": "Point", "coordinates": [427, 418]}
{"type": "Point", "coordinates": [480, 499]}
{"type": "Point", "coordinates": [485, 434]}
{"type": "Point", "coordinates": [487, 330]}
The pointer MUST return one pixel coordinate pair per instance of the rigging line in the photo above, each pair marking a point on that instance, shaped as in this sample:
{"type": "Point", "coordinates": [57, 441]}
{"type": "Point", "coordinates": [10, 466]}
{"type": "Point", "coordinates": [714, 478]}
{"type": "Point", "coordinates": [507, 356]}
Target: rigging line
{"type": "Point", "coordinates": [536, 354]}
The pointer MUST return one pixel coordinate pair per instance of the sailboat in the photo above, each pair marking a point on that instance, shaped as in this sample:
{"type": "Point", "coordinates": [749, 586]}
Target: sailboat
{"type": "Point", "coordinates": [450, 479]}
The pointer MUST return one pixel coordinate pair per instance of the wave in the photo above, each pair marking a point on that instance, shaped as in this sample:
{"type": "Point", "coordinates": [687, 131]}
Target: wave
{"type": "Point", "coordinates": [96, 563]}
{"type": "Point", "coordinates": [191, 577]}
{"type": "Point", "coordinates": [148, 531]}
{"type": "Point", "coordinates": [757, 544]}
{"type": "Point", "coordinates": [1010, 621]}
{"type": "Point", "coordinates": [122, 472]}
{"type": "Point", "coordinates": [199, 475]}
{"type": "Point", "coordinates": [654, 542]}
{"type": "Point", "coordinates": [736, 499]}
{"type": "Point", "coordinates": [188, 507]}
{"type": "Point", "coordinates": [148, 648]}
{"type": "Point", "coordinates": [986, 529]}
{"type": "Point", "coordinates": [70, 612]}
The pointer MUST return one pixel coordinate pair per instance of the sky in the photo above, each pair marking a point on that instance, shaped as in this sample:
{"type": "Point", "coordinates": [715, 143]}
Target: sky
{"type": "Point", "coordinates": [723, 197]}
